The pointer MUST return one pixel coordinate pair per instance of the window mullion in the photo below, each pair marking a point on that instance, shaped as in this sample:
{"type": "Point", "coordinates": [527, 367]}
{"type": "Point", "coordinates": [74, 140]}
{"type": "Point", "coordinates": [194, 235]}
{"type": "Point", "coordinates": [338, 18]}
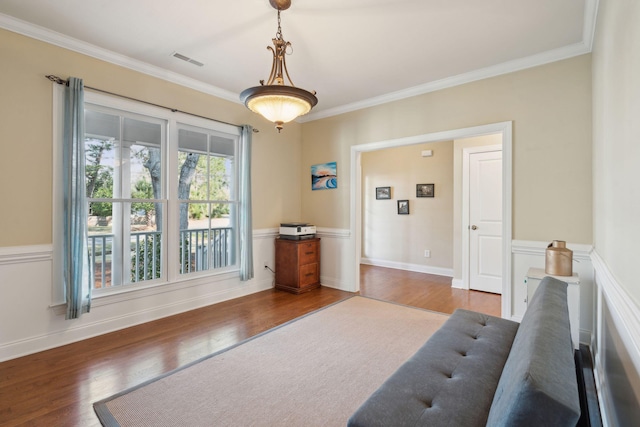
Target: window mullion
{"type": "Point", "coordinates": [173, 204]}
{"type": "Point", "coordinates": [117, 255]}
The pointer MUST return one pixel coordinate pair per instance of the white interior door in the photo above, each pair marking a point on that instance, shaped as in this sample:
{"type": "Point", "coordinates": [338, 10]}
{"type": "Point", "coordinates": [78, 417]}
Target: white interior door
{"type": "Point", "coordinates": [485, 221]}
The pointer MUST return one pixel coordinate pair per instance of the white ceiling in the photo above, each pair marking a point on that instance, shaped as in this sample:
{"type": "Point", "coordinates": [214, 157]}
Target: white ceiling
{"type": "Point", "coordinates": [354, 53]}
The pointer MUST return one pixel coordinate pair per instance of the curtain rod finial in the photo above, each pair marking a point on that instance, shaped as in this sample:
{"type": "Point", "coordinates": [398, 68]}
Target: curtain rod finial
{"type": "Point", "coordinates": [57, 79]}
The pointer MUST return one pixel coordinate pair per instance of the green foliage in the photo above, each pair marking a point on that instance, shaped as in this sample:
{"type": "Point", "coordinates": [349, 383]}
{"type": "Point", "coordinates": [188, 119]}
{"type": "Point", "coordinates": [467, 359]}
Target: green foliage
{"type": "Point", "coordinates": [99, 178]}
{"type": "Point", "coordinates": [102, 208]}
{"type": "Point", "coordinates": [150, 246]}
{"type": "Point", "coordinates": [218, 211]}
{"type": "Point", "coordinates": [213, 185]}
{"type": "Point", "coordinates": [185, 254]}
{"type": "Point", "coordinates": [143, 190]}
{"type": "Point", "coordinates": [97, 175]}
{"type": "Point", "coordinates": [197, 211]}
{"type": "Point", "coordinates": [218, 185]}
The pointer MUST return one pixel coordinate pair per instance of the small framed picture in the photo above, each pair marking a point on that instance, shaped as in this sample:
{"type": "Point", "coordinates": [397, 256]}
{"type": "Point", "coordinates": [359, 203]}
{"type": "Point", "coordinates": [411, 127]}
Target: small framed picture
{"type": "Point", "coordinates": [425, 190]}
{"type": "Point", "coordinates": [403, 207]}
{"type": "Point", "coordinates": [383, 193]}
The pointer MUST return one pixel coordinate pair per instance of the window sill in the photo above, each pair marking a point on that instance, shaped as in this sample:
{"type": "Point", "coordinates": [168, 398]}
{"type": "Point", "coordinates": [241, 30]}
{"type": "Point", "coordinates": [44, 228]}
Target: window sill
{"type": "Point", "coordinates": [128, 293]}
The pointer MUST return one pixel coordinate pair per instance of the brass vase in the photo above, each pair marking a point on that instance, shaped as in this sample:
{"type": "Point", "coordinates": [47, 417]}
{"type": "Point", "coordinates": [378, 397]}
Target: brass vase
{"type": "Point", "coordinates": [558, 259]}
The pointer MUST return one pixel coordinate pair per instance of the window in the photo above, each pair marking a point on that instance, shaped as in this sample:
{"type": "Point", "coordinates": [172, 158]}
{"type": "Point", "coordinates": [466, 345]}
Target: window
{"type": "Point", "coordinates": [124, 178]}
{"type": "Point", "coordinates": [161, 193]}
{"type": "Point", "coordinates": [207, 199]}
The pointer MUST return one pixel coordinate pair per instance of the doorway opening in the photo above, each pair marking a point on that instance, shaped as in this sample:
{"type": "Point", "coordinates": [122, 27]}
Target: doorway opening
{"type": "Point", "coordinates": [504, 129]}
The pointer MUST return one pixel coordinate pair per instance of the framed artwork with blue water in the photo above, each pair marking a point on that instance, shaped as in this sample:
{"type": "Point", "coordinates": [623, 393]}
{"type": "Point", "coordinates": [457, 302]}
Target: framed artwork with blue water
{"type": "Point", "coordinates": [324, 176]}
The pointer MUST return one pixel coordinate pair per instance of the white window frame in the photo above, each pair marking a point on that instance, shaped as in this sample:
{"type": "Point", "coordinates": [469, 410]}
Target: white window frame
{"type": "Point", "coordinates": [120, 263]}
{"type": "Point", "coordinates": [234, 202]}
{"type": "Point", "coordinates": [172, 277]}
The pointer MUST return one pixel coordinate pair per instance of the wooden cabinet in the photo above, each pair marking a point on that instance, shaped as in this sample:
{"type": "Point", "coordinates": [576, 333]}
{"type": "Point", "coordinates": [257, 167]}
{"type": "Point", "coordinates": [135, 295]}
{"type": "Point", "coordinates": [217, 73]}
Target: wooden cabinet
{"type": "Point", "coordinates": [297, 265]}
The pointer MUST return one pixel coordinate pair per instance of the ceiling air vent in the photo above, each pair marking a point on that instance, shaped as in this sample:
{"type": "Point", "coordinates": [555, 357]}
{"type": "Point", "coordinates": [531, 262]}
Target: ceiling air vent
{"type": "Point", "coordinates": [187, 59]}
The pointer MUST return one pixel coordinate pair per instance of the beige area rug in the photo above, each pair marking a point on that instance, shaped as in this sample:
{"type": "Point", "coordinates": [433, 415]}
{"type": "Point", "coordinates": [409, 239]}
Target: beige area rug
{"type": "Point", "coordinates": [313, 371]}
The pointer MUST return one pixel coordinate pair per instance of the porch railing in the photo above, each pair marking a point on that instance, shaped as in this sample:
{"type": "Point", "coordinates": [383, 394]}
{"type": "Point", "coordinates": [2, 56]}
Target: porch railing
{"type": "Point", "coordinates": [200, 249]}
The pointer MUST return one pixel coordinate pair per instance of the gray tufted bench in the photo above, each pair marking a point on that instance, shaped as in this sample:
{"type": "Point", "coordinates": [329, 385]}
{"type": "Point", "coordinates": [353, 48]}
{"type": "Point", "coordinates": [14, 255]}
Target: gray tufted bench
{"type": "Point", "coordinates": [479, 370]}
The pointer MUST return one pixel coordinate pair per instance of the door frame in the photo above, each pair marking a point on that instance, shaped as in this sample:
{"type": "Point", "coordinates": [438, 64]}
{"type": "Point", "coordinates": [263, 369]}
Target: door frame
{"type": "Point", "coordinates": [355, 221]}
{"type": "Point", "coordinates": [466, 208]}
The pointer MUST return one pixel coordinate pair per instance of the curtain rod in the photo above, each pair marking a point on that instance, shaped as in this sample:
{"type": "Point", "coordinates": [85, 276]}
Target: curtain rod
{"type": "Point", "coordinates": [62, 81]}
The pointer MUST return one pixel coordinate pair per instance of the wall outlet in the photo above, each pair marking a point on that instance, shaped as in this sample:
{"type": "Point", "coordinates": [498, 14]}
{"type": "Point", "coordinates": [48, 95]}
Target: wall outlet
{"type": "Point", "coordinates": [427, 253]}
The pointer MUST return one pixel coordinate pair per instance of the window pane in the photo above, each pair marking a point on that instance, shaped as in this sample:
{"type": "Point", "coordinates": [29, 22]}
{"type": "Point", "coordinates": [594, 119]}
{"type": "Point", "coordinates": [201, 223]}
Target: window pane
{"type": "Point", "coordinates": [146, 228]}
{"type": "Point", "coordinates": [142, 160]}
{"type": "Point", "coordinates": [222, 146]}
{"type": "Point", "coordinates": [205, 165]}
{"type": "Point", "coordinates": [99, 161]}
{"type": "Point", "coordinates": [192, 164]}
{"type": "Point", "coordinates": [145, 170]}
{"type": "Point", "coordinates": [101, 243]}
{"type": "Point", "coordinates": [194, 237]}
{"type": "Point", "coordinates": [222, 236]}
{"type": "Point", "coordinates": [192, 178]}
{"type": "Point", "coordinates": [220, 178]}
{"type": "Point", "coordinates": [207, 242]}
{"type": "Point", "coordinates": [145, 248]}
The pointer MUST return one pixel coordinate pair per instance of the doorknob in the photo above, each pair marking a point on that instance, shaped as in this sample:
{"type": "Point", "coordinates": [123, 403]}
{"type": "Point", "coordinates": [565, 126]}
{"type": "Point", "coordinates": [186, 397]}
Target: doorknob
{"type": "Point", "coordinates": [474, 227]}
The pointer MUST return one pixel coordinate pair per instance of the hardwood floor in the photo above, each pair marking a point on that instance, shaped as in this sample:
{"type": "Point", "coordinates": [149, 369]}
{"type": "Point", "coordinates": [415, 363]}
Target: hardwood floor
{"type": "Point", "coordinates": [424, 291]}
{"type": "Point", "coordinates": [57, 387]}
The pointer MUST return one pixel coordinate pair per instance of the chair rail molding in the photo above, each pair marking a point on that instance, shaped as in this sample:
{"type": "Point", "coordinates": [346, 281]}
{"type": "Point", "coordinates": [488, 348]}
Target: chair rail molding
{"type": "Point", "coordinates": [21, 254]}
{"type": "Point", "coordinates": [625, 313]}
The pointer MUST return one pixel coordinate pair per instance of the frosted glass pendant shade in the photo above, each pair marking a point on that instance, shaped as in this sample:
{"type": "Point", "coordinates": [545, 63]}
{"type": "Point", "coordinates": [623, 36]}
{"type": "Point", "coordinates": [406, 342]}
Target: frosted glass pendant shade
{"type": "Point", "coordinates": [278, 103]}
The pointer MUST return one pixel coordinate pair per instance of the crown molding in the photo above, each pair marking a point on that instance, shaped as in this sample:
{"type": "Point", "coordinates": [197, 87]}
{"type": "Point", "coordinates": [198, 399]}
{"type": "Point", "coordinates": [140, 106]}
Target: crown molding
{"type": "Point", "coordinates": [57, 39]}
{"type": "Point", "coordinates": [565, 52]}
{"type": "Point", "coordinates": [449, 82]}
{"type": "Point", "coordinates": [43, 34]}
{"type": "Point", "coordinates": [590, 21]}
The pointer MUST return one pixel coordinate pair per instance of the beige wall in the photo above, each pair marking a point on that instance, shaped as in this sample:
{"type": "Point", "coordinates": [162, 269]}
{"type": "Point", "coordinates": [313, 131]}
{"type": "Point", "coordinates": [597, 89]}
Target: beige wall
{"type": "Point", "coordinates": [550, 106]}
{"type": "Point", "coordinates": [616, 208]}
{"type": "Point", "coordinates": [387, 236]}
{"type": "Point", "coordinates": [616, 142]}
{"type": "Point", "coordinates": [26, 135]}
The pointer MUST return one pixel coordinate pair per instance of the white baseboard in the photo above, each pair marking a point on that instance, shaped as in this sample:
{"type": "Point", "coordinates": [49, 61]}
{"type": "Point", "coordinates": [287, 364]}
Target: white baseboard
{"type": "Point", "coordinates": [458, 284]}
{"type": "Point", "coordinates": [332, 282]}
{"type": "Point", "coordinates": [438, 271]}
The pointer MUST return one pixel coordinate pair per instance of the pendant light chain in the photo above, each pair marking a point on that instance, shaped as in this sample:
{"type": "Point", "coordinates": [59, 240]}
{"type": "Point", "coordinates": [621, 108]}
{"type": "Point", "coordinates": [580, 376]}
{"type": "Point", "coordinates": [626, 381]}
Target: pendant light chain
{"type": "Point", "coordinates": [279, 35]}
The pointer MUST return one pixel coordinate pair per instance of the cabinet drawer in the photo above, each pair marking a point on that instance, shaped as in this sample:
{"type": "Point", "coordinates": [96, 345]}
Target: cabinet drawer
{"type": "Point", "coordinates": [308, 274]}
{"type": "Point", "coordinates": [307, 253]}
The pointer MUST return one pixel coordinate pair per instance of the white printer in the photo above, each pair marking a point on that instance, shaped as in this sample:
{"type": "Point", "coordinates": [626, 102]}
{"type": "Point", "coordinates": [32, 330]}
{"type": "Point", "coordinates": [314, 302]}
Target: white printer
{"type": "Point", "coordinates": [297, 231]}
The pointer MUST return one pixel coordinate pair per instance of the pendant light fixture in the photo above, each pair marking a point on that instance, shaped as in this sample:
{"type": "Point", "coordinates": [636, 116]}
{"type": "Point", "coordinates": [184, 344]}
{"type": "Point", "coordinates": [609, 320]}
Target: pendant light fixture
{"type": "Point", "coordinates": [277, 101]}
